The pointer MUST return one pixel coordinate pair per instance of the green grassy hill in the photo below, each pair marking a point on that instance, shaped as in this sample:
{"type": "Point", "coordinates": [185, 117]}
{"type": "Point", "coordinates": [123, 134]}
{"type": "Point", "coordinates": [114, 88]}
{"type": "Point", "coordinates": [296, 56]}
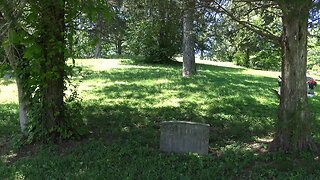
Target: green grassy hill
{"type": "Point", "coordinates": [123, 103]}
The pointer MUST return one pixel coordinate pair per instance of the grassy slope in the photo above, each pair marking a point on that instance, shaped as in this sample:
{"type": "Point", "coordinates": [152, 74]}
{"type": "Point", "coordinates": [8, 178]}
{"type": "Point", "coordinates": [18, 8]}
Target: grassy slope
{"type": "Point", "coordinates": [124, 103]}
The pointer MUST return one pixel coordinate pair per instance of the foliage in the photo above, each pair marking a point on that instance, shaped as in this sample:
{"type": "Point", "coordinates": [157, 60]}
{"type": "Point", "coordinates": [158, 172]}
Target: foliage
{"type": "Point", "coordinates": [83, 39]}
{"type": "Point", "coordinates": [154, 30]}
{"type": "Point", "coordinates": [106, 26]}
{"type": "Point", "coordinates": [38, 39]}
{"type": "Point", "coordinates": [232, 42]}
{"type": "Point", "coordinates": [124, 102]}
{"type": "Point", "coordinates": [202, 32]}
{"type": "Point", "coordinates": [130, 159]}
{"type": "Point", "coordinates": [2, 55]}
{"type": "Point", "coordinates": [313, 65]}
{"type": "Point", "coordinates": [220, 39]}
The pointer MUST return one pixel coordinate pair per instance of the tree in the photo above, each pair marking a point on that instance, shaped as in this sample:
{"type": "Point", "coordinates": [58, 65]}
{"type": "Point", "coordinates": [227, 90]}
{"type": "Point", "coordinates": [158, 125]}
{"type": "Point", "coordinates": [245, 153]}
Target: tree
{"type": "Point", "coordinates": [97, 53]}
{"type": "Point", "coordinates": [118, 27]}
{"type": "Point", "coordinates": [294, 117]}
{"type": "Point", "coordinates": [293, 132]}
{"type": "Point", "coordinates": [45, 45]}
{"type": "Point", "coordinates": [229, 41]}
{"type": "Point", "coordinates": [220, 36]}
{"type": "Point", "coordinates": [36, 48]}
{"type": "Point", "coordinates": [9, 13]}
{"type": "Point", "coordinates": [189, 65]}
{"type": "Point", "coordinates": [202, 35]}
{"type": "Point", "coordinates": [88, 28]}
{"type": "Point", "coordinates": [51, 29]}
{"type": "Point", "coordinates": [154, 29]}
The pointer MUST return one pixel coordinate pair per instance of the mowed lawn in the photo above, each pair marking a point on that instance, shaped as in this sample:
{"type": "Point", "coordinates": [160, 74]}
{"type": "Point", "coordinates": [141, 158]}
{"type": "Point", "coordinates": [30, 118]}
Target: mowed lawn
{"type": "Point", "coordinates": [123, 103]}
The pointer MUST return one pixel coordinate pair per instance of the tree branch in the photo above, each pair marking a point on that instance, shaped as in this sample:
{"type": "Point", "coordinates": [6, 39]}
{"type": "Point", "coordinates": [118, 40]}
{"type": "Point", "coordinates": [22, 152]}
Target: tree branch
{"type": "Point", "coordinates": [247, 1]}
{"type": "Point", "coordinates": [264, 6]}
{"type": "Point", "coordinates": [14, 15]}
{"type": "Point", "coordinates": [246, 24]}
{"type": "Point", "coordinates": [276, 93]}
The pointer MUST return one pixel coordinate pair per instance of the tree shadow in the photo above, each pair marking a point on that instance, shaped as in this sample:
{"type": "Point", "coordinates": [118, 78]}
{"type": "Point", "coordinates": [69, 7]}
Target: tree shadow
{"type": "Point", "coordinates": [237, 106]}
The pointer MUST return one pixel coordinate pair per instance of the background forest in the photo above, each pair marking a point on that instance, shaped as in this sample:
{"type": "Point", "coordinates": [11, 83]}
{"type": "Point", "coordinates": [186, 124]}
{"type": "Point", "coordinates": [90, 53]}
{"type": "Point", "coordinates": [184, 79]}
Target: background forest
{"type": "Point", "coordinates": [154, 30]}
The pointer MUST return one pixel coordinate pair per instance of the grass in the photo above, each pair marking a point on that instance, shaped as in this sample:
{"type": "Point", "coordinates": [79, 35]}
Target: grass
{"type": "Point", "coordinates": [124, 102]}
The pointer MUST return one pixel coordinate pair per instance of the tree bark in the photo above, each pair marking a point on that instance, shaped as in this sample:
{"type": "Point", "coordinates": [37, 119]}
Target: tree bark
{"type": "Point", "coordinates": [24, 105]}
{"type": "Point", "coordinates": [162, 32]}
{"type": "Point", "coordinates": [293, 128]}
{"type": "Point", "coordinates": [189, 65]}
{"type": "Point", "coordinates": [119, 46]}
{"type": "Point", "coordinates": [247, 58]}
{"type": "Point", "coordinates": [97, 53]}
{"type": "Point", "coordinates": [53, 46]}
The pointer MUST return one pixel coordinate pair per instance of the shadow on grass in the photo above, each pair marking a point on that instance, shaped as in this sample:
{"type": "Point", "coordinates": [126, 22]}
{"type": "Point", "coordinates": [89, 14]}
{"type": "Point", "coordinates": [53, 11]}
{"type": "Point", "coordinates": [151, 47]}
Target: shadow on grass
{"type": "Point", "coordinates": [238, 106]}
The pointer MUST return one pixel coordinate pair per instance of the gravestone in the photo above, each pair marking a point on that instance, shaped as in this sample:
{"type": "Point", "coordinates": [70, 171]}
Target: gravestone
{"type": "Point", "coordinates": [182, 137]}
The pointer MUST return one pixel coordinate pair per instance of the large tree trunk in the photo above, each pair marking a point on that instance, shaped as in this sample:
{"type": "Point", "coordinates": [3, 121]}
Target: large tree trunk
{"type": "Point", "coordinates": [189, 65]}
{"type": "Point", "coordinates": [293, 133]}
{"type": "Point", "coordinates": [54, 66]}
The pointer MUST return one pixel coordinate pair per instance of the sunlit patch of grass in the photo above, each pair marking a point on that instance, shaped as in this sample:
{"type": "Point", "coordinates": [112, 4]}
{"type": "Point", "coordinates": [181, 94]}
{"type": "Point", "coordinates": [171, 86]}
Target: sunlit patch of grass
{"type": "Point", "coordinates": [271, 74]}
{"type": "Point", "coordinates": [8, 91]}
{"type": "Point", "coordinates": [9, 122]}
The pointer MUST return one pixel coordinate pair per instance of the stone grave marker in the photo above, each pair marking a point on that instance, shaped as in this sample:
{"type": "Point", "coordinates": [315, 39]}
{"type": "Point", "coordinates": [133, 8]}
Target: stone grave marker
{"type": "Point", "coordinates": [183, 137]}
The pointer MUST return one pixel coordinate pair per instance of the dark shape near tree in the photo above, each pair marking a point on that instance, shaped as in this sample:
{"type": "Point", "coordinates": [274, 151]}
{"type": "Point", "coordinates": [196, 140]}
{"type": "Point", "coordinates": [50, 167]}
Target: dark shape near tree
{"type": "Point", "coordinates": [189, 65]}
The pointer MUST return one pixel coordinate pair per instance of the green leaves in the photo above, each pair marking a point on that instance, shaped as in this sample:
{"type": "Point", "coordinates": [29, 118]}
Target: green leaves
{"type": "Point", "coordinates": [12, 39]}
{"type": "Point", "coordinates": [150, 35]}
{"type": "Point", "coordinates": [5, 43]}
{"type": "Point", "coordinates": [34, 51]}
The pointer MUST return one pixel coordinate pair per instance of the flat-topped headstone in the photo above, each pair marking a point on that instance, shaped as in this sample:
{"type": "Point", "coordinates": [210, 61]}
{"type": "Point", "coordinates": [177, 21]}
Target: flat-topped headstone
{"type": "Point", "coordinates": [183, 136]}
